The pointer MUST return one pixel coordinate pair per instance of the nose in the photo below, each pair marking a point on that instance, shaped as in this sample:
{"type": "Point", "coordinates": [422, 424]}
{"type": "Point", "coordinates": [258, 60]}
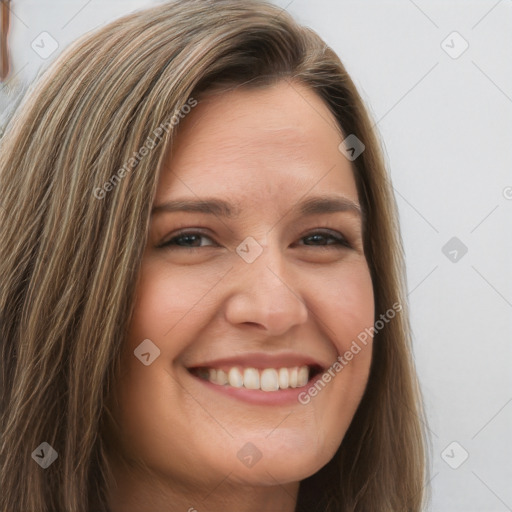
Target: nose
{"type": "Point", "coordinates": [264, 294]}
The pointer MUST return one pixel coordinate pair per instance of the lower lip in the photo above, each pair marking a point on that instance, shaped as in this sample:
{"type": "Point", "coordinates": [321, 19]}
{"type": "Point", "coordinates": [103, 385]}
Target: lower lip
{"type": "Point", "coordinates": [257, 396]}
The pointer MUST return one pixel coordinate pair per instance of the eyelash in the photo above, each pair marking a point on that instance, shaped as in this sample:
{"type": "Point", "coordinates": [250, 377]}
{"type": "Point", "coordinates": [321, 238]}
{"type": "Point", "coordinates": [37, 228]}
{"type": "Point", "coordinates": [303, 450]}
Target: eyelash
{"type": "Point", "coordinates": [340, 240]}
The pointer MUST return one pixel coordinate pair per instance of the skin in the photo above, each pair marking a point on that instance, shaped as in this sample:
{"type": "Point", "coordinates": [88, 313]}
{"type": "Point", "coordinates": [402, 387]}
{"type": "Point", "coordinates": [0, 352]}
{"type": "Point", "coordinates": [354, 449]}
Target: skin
{"type": "Point", "coordinates": [264, 150]}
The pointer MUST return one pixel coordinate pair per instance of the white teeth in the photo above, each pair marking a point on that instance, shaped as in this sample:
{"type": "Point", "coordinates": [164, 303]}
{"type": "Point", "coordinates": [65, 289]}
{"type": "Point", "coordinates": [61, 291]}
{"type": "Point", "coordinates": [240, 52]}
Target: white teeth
{"type": "Point", "coordinates": [283, 378]}
{"type": "Point", "coordinates": [221, 378]}
{"type": "Point", "coordinates": [302, 376]}
{"type": "Point", "coordinates": [235, 378]}
{"type": "Point", "coordinates": [269, 379]}
{"type": "Point", "coordinates": [292, 379]}
{"type": "Point", "coordinates": [251, 378]}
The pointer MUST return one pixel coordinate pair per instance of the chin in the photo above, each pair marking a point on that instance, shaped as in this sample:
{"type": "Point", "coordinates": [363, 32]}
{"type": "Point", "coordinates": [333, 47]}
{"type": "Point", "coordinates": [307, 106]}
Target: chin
{"type": "Point", "coordinates": [280, 465]}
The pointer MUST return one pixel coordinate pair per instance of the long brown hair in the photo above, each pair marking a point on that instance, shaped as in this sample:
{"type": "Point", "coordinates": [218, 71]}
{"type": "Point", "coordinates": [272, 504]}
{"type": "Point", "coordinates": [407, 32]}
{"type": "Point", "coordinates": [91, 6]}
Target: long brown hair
{"type": "Point", "coordinates": [72, 248]}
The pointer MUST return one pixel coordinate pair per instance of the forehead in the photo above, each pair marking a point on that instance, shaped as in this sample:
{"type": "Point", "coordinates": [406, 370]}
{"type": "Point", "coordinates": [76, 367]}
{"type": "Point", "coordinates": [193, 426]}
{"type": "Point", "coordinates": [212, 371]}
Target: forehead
{"type": "Point", "coordinates": [270, 144]}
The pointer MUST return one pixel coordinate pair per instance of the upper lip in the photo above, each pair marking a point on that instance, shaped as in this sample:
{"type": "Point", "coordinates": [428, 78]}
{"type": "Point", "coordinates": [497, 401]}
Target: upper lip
{"type": "Point", "coordinates": [261, 360]}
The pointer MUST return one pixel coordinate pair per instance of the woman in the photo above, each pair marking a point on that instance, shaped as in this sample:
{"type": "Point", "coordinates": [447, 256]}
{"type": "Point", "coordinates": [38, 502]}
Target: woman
{"type": "Point", "coordinates": [267, 367]}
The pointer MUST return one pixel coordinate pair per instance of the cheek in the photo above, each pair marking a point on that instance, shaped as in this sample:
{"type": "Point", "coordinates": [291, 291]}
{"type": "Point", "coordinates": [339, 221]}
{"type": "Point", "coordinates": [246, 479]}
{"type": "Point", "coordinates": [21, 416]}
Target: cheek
{"type": "Point", "coordinates": [165, 302]}
{"type": "Point", "coordinates": [345, 303]}
{"type": "Point", "coordinates": [341, 299]}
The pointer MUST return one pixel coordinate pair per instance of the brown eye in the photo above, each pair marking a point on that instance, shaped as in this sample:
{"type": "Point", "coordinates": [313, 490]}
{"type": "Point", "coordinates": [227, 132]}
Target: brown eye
{"type": "Point", "coordinates": [323, 239]}
{"type": "Point", "coordinates": [187, 239]}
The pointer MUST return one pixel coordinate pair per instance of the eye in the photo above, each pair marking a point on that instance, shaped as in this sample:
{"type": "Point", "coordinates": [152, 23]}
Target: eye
{"type": "Point", "coordinates": [192, 240]}
{"type": "Point", "coordinates": [324, 239]}
{"type": "Point", "coordinates": [187, 240]}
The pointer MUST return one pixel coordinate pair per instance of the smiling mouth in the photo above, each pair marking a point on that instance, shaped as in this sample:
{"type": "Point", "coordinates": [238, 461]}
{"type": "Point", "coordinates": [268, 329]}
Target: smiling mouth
{"type": "Point", "coordinates": [267, 379]}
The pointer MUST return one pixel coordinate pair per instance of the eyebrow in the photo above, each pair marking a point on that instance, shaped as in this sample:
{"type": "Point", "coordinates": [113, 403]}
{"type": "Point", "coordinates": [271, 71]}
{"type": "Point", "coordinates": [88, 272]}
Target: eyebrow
{"type": "Point", "coordinates": [219, 207]}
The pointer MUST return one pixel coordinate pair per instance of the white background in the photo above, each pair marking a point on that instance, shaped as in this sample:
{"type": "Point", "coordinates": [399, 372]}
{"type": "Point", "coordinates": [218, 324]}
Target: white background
{"type": "Point", "coordinates": [446, 126]}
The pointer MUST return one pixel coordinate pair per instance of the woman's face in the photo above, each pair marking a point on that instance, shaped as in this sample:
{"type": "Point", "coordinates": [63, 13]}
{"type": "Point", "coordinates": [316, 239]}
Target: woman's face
{"type": "Point", "coordinates": [278, 284]}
